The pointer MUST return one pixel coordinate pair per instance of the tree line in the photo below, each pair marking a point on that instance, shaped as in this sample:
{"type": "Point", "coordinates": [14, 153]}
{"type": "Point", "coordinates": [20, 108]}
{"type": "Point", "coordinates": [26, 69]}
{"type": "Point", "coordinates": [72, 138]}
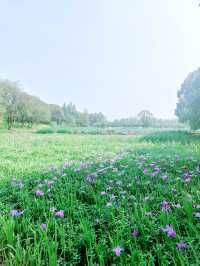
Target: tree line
{"type": "Point", "coordinates": [18, 108]}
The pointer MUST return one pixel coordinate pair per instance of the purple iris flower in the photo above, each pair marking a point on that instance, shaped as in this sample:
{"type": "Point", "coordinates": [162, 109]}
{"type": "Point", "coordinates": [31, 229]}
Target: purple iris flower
{"type": "Point", "coordinates": [43, 227]}
{"type": "Point", "coordinates": [135, 233]}
{"type": "Point", "coordinates": [60, 214]}
{"type": "Point", "coordinates": [170, 231]}
{"type": "Point", "coordinates": [181, 245]}
{"type": "Point", "coordinates": [174, 190]}
{"type": "Point", "coordinates": [197, 214]}
{"type": "Point", "coordinates": [39, 193]}
{"type": "Point", "coordinates": [145, 171]}
{"type": "Point", "coordinates": [198, 168]}
{"type": "Point", "coordinates": [91, 177]}
{"type": "Point", "coordinates": [118, 250]}
{"type": "Point", "coordinates": [16, 213]}
{"type": "Point", "coordinates": [165, 206]}
{"type": "Point", "coordinates": [164, 177]}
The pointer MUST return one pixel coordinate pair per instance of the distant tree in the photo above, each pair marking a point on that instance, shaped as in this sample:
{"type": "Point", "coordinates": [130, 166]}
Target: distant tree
{"type": "Point", "coordinates": [83, 119]}
{"type": "Point", "coordinates": [146, 118]}
{"type": "Point", "coordinates": [125, 122]}
{"type": "Point", "coordinates": [70, 114]}
{"type": "Point", "coordinates": [9, 99]}
{"type": "Point", "coordinates": [23, 107]}
{"type": "Point", "coordinates": [57, 114]}
{"type": "Point", "coordinates": [97, 119]}
{"type": "Point", "coordinates": [188, 106]}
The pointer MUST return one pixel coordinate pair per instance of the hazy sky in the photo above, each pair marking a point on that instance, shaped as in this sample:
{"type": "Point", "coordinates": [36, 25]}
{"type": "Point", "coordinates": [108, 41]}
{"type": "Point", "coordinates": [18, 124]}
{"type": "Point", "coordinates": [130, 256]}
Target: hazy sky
{"type": "Point", "coordinates": [114, 56]}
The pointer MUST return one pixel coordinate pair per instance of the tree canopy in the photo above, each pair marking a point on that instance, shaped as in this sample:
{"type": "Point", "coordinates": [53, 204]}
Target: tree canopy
{"type": "Point", "coordinates": [188, 106]}
{"type": "Point", "coordinates": [19, 108]}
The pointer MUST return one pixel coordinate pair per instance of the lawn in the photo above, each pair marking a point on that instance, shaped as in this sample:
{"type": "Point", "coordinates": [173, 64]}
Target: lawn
{"type": "Point", "coordinates": [100, 200]}
{"type": "Point", "coordinates": [24, 153]}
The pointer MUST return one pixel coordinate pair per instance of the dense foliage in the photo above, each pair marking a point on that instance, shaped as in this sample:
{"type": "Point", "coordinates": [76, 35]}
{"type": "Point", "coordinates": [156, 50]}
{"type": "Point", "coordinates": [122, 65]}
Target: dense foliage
{"type": "Point", "coordinates": [183, 137]}
{"type": "Point", "coordinates": [188, 107]}
{"type": "Point", "coordinates": [18, 108]}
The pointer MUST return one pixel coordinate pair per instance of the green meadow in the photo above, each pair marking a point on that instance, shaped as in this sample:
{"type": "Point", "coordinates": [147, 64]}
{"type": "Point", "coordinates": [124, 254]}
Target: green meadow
{"type": "Point", "coordinates": [99, 199]}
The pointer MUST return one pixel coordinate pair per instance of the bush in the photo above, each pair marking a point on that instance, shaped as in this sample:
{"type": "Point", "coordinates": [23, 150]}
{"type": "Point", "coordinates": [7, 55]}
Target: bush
{"type": "Point", "coordinates": [64, 131]}
{"type": "Point", "coordinates": [45, 131]}
{"type": "Point", "coordinates": [172, 136]}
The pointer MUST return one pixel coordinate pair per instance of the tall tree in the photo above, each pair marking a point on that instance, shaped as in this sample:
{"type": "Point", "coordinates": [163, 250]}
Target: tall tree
{"type": "Point", "coordinates": [188, 106]}
{"type": "Point", "coordinates": [57, 114]}
{"type": "Point", "coordinates": [70, 114]}
{"type": "Point", "coordinates": [9, 99]}
{"type": "Point", "coordinates": [146, 118]}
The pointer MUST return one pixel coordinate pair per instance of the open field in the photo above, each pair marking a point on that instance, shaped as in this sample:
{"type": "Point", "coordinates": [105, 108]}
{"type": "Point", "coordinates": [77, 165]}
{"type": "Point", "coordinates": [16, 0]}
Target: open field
{"type": "Point", "coordinates": [105, 200]}
{"type": "Point", "coordinates": [24, 153]}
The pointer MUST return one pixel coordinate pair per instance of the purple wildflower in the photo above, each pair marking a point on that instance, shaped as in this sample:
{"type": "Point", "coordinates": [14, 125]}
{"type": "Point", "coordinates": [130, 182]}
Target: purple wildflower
{"type": "Point", "coordinates": [152, 165]}
{"type": "Point", "coordinates": [187, 178]}
{"type": "Point", "coordinates": [103, 193]}
{"type": "Point", "coordinates": [165, 206]}
{"type": "Point", "coordinates": [67, 165]}
{"type": "Point", "coordinates": [164, 177]}
{"type": "Point", "coordinates": [157, 169]}
{"type": "Point", "coordinates": [81, 167]}
{"type": "Point", "coordinates": [181, 245]}
{"type": "Point", "coordinates": [154, 173]}
{"type": "Point", "coordinates": [145, 171]}
{"type": "Point", "coordinates": [16, 213]}
{"type": "Point", "coordinates": [43, 226]}
{"type": "Point", "coordinates": [178, 205]}
{"type": "Point", "coordinates": [135, 233]}
{"type": "Point", "coordinates": [198, 168]}
{"type": "Point", "coordinates": [91, 177]}
{"type": "Point", "coordinates": [170, 231]}
{"type": "Point", "coordinates": [118, 251]}
{"type": "Point", "coordinates": [60, 214]}
{"type": "Point", "coordinates": [197, 214]}
{"type": "Point", "coordinates": [39, 193]}
{"type": "Point", "coordinates": [174, 190]}
{"type": "Point", "coordinates": [50, 183]}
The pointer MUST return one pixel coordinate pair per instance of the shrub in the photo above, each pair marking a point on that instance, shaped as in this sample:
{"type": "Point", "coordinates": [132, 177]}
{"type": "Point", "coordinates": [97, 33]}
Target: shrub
{"type": "Point", "coordinates": [172, 136]}
{"type": "Point", "coordinates": [64, 131]}
{"type": "Point", "coordinates": [45, 131]}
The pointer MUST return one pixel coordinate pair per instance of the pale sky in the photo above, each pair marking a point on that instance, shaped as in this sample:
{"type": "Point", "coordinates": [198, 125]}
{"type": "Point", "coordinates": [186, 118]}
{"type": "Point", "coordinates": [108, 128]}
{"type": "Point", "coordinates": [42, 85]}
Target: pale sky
{"type": "Point", "coordinates": [114, 56]}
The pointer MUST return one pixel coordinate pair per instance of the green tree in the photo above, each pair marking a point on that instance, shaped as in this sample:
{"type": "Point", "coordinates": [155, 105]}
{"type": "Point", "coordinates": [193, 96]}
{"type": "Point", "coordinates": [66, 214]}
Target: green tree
{"type": "Point", "coordinates": [56, 114]}
{"type": "Point", "coordinates": [146, 118]}
{"type": "Point", "coordinates": [188, 106]}
{"type": "Point", "coordinates": [9, 99]}
{"type": "Point", "coordinates": [97, 119]}
{"type": "Point", "coordinates": [70, 114]}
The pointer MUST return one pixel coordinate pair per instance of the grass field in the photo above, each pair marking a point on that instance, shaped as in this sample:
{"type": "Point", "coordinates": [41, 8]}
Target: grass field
{"type": "Point", "coordinates": [99, 200]}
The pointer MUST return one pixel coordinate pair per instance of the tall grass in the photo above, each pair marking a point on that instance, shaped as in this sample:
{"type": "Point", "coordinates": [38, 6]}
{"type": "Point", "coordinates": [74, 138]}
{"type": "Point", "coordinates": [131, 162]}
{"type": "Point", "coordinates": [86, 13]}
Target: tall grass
{"type": "Point", "coordinates": [172, 136]}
